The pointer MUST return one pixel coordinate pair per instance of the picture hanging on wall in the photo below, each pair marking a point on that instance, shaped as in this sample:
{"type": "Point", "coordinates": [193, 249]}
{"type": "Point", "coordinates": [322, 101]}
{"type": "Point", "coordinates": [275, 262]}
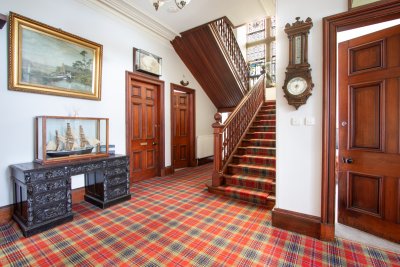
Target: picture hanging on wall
{"type": "Point", "coordinates": [146, 62]}
{"type": "Point", "coordinates": [47, 60]}
{"type": "Point", "coordinates": [359, 3]}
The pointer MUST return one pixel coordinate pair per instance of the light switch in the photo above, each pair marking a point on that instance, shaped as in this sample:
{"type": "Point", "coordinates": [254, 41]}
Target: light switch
{"type": "Point", "coordinates": [296, 121]}
{"type": "Point", "coordinates": [310, 121]}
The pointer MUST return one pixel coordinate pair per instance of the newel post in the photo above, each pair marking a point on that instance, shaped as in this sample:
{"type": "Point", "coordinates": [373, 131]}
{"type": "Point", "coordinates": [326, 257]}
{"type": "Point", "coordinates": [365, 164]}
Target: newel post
{"type": "Point", "coordinates": [218, 129]}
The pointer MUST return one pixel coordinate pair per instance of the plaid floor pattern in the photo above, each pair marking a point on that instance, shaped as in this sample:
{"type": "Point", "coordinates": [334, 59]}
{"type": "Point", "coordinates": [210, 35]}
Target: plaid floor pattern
{"type": "Point", "coordinates": [174, 221]}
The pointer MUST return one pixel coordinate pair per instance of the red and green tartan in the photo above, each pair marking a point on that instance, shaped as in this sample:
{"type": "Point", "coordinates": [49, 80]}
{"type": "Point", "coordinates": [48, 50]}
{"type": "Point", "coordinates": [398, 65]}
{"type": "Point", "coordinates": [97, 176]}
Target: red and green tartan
{"type": "Point", "coordinates": [264, 122]}
{"type": "Point", "coordinates": [262, 128]}
{"type": "Point", "coordinates": [174, 221]}
{"type": "Point", "coordinates": [259, 142]}
{"type": "Point", "coordinates": [264, 184]}
{"type": "Point", "coordinates": [248, 195]}
{"type": "Point", "coordinates": [258, 150]}
{"type": "Point", "coordinates": [255, 159]}
{"type": "Point", "coordinates": [252, 170]}
{"type": "Point", "coordinates": [260, 135]}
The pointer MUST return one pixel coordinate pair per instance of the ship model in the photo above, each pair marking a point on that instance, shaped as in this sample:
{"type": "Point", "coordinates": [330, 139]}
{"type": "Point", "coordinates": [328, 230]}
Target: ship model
{"type": "Point", "coordinates": [67, 145]}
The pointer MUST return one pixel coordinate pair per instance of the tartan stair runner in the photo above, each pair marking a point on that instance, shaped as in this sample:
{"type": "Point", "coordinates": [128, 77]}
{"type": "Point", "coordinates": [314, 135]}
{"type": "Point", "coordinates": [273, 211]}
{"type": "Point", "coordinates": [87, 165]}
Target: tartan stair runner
{"type": "Point", "coordinates": [250, 175]}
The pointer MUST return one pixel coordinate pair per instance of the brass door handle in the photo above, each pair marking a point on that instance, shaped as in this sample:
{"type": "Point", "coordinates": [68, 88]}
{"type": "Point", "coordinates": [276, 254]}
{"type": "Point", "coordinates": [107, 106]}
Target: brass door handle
{"type": "Point", "coordinates": [154, 143]}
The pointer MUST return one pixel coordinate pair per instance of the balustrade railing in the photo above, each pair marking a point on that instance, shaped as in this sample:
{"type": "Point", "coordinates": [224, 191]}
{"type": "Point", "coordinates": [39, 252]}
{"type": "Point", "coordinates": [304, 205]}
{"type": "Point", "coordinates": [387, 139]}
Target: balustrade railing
{"type": "Point", "coordinates": [223, 28]}
{"type": "Point", "coordinates": [228, 135]}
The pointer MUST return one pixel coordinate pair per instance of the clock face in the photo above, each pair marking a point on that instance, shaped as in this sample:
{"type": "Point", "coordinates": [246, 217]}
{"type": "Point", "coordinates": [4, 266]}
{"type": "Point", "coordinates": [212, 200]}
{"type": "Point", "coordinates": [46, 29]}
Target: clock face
{"type": "Point", "coordinates": [297, 85]}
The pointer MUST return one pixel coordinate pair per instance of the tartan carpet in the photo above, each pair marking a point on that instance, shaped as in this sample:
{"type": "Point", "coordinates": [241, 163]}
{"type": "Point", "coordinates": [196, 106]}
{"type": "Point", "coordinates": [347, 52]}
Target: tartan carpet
{"type": "Point", "coordinates": [174, 221]}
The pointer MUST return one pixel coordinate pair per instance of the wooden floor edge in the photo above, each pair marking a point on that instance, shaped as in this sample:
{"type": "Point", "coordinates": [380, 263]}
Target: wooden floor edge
{"type": "Point", "coordinates": [298, 222]}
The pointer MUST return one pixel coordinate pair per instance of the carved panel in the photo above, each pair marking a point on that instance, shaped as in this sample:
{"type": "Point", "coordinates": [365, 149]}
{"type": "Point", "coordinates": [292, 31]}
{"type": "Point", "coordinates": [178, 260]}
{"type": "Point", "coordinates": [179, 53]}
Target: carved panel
{"type": "Point", "coordinates": [116, 180]}
{"type": "Point", "coordinates": [116, 162]}
{"type": "Point", "coordinates": [366, 116]}
{"type": "Point", "coordinates": [364, 194]}
{"type": "Point", "coordinates": [46, 198]}
{"type": "Point", "coordinates": [48, 174]}
{"type": "Point", "coordinates": [367, 57]}
{"type": "Point", "coordinates": [49, 186]}
{"type": "Point", "coordinates": [116, 192]}
{"type": "Point", "coordinates": [115, 171]}
{"type": "Point", "coordinates": [50, 212]}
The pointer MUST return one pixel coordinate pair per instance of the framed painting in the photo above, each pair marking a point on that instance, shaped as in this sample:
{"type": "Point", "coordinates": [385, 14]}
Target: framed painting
{"type": "Point", "coordinates": [146, 62]}
{"type": "Point", "coordinates": [359, 3]}
{"type": "Point", "coordinates": [46, 60]}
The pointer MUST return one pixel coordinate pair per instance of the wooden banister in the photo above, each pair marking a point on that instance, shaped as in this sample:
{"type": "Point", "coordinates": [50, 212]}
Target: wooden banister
{"type": "Point", "coordinates": [223, 33]}
{"type": "Point", "coordinates": [227, 135]}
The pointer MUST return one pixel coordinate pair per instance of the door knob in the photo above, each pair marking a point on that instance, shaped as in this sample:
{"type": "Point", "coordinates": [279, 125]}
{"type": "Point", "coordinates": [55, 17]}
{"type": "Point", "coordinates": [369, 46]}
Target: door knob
{"type": "Point", "coordinates": [347, 160]}
{"type": "Point", "coordinates": [154, 143]}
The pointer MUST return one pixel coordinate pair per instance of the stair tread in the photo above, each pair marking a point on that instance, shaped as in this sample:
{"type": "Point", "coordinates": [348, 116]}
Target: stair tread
{"type": "Point", "coordinates": [254, 156]}
{"type": "Point", "coordinates": [258, 147]}
{"type": "Point", "coordinates": [252, 166]}
{"type": "Point", "coordinates": [259, 139]}
{"type": "Point", "coordinates": [247, 191]}
{"type": "Point", "coordinates": [269, 180]}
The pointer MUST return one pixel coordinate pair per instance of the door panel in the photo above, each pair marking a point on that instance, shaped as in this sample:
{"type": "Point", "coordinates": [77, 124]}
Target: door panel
{"type": "Point", "coordinates": [144, 134]}
{"type": "Point", "coordinates": [369, 145]}
{"type": "Point", "coordinates": [181, 138]}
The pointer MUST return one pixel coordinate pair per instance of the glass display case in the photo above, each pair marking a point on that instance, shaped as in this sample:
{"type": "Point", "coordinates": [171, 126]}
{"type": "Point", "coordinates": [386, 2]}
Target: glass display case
{"type": "Point", "coordinates": [63, 139]}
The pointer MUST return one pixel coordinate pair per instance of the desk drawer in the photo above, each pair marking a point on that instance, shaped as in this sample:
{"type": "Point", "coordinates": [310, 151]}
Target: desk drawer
{"type": "Point", "coordinates": [116, 191]}
{"type": "Point", "coordinates": [117, 180]}
{"type": "Point", "coordinates": [115, 171]}
{"type": "Point", "coordinates": [49, 212]}
{"type": "Point", "coordinates": [46, 175]}
{"type": "Point", "coordinates": [49, 186]}
{"type": "Point", "coordinates": [50, 197]}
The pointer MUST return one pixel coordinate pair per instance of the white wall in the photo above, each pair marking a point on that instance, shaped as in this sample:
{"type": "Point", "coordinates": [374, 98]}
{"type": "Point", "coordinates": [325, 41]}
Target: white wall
{"type": "Point", "coordinates": [299, 148]}
{"type": "Point", "coordinates": [117, 36]}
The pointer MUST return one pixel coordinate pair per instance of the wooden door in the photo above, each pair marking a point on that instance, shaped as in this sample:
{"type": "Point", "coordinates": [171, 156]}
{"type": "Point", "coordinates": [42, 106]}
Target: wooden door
{"type": "Point", "coordinates": [143, 121]}
{"type": "Point", "coordinates": [180, 130]}
{"type": "Point", "coordinates": [369, 146]}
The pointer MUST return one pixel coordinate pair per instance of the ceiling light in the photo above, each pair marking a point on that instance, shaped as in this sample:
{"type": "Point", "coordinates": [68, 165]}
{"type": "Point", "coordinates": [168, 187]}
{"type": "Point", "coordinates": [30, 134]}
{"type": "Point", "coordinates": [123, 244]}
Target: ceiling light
{"type": "Point", "coordinates": [178, 3]}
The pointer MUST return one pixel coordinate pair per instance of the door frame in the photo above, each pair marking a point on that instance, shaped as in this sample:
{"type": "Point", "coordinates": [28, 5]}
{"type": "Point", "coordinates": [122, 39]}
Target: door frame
{"type": "Point", "coordinates": [137, 76]}
{"type": "Point", "coordinates": [368, 15]}
{"type": "Point", "coordinates": [192, 123]}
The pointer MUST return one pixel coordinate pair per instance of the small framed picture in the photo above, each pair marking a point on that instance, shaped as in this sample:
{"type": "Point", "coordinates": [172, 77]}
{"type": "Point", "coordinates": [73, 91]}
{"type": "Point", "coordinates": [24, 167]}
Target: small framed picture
{"type": "Point", "coordinates": [359, 3]}
{"type": "Point", "coordinates": [146, 62]}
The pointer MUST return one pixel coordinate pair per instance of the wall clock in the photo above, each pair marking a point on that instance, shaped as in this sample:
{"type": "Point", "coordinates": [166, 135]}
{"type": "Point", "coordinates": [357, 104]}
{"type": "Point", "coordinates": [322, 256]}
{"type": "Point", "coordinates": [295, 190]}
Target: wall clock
{"type": "Point", "coordinates": [298, 83]}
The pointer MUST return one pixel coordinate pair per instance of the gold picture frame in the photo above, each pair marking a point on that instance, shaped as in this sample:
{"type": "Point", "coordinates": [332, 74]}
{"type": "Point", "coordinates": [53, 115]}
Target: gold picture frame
{"type": "Point", "coordinates": [359, 3]}
{"type": "Point", "coordinates": [46, 60]}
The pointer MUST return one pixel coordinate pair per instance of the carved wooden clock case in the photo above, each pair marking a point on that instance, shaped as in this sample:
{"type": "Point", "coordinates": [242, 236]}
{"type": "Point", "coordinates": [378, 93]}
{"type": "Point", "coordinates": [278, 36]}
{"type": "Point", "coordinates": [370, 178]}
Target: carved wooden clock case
{"type": "Point", "coordinates": [298, 82]}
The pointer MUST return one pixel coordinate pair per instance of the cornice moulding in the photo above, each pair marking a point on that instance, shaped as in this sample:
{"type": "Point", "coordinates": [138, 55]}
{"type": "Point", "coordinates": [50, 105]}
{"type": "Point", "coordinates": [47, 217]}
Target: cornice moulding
{"type": "Point", "coordinates": [132, 13]}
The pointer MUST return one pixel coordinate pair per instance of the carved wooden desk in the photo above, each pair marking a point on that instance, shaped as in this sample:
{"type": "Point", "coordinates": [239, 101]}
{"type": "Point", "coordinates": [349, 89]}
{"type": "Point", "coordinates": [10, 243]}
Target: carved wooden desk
{"type": "Point", "coordinates": [42, 193]}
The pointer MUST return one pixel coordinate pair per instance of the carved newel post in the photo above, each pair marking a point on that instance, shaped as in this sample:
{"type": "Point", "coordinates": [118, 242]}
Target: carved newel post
{"type": "Point", "coordinates": [218, 129]}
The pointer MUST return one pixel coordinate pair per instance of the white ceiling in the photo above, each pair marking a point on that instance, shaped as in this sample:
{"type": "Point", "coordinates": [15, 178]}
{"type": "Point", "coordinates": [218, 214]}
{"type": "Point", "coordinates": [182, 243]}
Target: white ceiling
{"type": "Point", "coordinates": [196, 13]}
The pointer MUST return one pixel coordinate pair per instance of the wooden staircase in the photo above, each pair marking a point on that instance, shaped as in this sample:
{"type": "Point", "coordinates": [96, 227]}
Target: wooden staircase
{"type": "Point", "coordinates": [213, 56]}
{"type": "Point", "coordinates": [250, 174]}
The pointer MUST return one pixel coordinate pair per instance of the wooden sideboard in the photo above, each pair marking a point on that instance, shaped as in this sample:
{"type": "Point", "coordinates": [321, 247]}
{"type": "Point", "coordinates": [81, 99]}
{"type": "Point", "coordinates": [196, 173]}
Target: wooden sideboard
{"type": "Point", "coordinates": [42, 193]}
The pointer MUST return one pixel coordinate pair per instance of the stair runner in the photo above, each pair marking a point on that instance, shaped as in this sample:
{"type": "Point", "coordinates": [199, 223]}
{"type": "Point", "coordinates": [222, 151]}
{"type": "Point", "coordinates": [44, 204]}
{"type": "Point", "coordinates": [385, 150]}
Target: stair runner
{"type": "Point", "coordinates": [251, 174]}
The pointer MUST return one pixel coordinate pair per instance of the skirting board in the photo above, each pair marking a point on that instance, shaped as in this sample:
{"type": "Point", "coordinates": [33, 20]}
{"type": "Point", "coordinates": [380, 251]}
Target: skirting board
{"type": "Point", "coordinates": [297, 222]}
{"type": "Point", "coordinates": [206, 160]}
{"type": "Point", "coordinates": [167, 171]}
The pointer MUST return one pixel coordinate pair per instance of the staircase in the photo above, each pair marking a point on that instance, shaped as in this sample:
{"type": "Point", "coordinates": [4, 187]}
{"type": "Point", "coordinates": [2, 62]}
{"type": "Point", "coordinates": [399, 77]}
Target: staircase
{"type": "Point", "coordinates": [212, 54]}
{"type": "Point", "coordinates": [250, 175]}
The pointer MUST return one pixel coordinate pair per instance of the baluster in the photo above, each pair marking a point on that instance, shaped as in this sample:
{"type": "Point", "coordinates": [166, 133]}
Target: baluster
{"type": "Point", "coordinates": [218, 144]}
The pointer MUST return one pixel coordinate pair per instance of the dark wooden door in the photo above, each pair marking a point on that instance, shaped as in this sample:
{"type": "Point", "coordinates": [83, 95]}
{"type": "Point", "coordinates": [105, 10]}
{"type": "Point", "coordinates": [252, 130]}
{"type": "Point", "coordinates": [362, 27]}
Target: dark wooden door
{"type": "Point", "coordinates": [142, 105]}
{"type": "Point", "coordinates": [369, 146]}
{"type": "Point", "coordinates": [180, 129]}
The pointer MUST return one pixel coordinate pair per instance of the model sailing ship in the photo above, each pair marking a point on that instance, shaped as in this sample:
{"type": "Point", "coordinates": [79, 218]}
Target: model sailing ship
{"type": "Point", "coordinates": [67, 145]}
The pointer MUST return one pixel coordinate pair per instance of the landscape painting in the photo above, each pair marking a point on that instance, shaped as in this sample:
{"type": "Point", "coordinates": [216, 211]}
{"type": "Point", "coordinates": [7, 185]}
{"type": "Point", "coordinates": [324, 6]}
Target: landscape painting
{"type": "Point", "coordinates": [50, 61]}
{"type": "Point", "coordinates": [357, 3]}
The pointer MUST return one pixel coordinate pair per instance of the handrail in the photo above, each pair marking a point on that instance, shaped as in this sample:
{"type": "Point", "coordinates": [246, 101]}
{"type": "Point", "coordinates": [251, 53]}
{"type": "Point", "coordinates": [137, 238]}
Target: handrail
{"type": "Point", "coordinates": [222, 30]}
{"type": "Point", "coordinates": [227, 135]}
